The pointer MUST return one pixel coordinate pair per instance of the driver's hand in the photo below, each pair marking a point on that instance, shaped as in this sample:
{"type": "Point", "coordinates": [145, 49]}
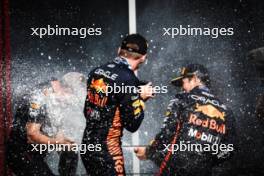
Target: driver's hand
{"type": "Point", "coordinates": [146, 91]}
{"type": "Point", "coordinates": [140, 153]}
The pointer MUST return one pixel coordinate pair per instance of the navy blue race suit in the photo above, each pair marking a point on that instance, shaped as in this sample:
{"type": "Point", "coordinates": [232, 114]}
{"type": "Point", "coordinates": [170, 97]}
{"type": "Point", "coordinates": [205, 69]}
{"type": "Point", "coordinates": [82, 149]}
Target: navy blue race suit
{"type": "Point", "coordinates": [107, 113]}
{"type": "Point", "coordinates": [197, 117]}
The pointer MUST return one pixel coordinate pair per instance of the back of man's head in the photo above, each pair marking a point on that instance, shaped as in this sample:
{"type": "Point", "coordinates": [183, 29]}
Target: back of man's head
{"type": "Point", "coordinates": [133, 46]}
{"type": "Point", "coordinates": [191, 70]}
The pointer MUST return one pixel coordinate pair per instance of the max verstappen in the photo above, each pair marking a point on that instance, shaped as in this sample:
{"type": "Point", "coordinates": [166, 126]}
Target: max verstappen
{"type": "Point", "coordinates": [107, 113]}
{"type": "Point", "coordinates": [195, 116]}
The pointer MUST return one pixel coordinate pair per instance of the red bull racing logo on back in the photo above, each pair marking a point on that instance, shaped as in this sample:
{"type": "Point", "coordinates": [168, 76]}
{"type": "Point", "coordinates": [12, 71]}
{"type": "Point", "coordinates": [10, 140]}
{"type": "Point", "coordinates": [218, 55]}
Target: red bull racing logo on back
{"type": "Point", "coordinates": [210, 111]}
{"type": "Point", "coordinates": [99, 85]}
{"type": "Point", "coordinates": [97, 97]}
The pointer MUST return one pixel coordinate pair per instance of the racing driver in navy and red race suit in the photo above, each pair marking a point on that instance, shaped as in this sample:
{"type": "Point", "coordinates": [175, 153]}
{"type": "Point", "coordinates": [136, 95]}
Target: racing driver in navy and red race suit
{"type": "Point", "coordinates": [195, 116]}
{"type": "Point", "coordinates": [108, 112]}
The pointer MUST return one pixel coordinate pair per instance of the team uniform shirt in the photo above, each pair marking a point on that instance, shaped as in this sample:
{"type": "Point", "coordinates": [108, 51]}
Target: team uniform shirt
{"type": "Point", "coordinates": [40, 111]}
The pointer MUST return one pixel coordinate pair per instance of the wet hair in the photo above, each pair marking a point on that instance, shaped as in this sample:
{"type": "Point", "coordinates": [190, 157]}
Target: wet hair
{"type": "Point", "coordinates": [205, 79]}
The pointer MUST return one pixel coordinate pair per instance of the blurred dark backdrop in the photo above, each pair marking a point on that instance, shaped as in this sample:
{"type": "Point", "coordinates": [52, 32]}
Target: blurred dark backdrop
{"type": "Point", "coordinates": [234, 77]}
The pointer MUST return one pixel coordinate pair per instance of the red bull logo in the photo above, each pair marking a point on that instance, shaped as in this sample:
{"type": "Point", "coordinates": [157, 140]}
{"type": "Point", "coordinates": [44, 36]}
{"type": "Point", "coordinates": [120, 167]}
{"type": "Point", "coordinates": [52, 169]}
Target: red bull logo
{"type": "Point", "coordinates": [210, 111]}
{"type": "Point", "coordinates": [99, 85]}
{"type": "Point", "coordinates": [208, 123]}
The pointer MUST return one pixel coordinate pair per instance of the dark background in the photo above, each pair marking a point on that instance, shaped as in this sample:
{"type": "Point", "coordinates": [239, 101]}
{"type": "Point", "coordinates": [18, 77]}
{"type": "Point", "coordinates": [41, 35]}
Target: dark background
{"type": "Point", "coordinates": [234, 78]}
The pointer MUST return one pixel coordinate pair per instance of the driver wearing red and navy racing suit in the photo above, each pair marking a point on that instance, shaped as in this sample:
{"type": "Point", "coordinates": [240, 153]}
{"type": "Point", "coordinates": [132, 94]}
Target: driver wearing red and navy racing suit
{"type": "Point", "coordinates": [192, 114]}
{"type": "Point", "coordinates": [108, 112]}
{"type": "Point", "coordinates": [194, 117]}
{"type": "Point", "coordinates": [108, 115]}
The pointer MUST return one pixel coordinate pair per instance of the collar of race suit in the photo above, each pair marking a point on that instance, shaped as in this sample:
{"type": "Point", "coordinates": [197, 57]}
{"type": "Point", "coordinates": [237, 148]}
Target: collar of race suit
{"type": "Point", "coordinates": [119, 60]}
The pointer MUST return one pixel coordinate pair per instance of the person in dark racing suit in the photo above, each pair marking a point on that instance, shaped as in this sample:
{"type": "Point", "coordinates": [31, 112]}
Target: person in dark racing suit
{"type": "Point", "coordinates": [107, 111]}
{"type": "Point", "coordinates": [29, 127]}
{"type": "Point", "coordinates": [195, 116]}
